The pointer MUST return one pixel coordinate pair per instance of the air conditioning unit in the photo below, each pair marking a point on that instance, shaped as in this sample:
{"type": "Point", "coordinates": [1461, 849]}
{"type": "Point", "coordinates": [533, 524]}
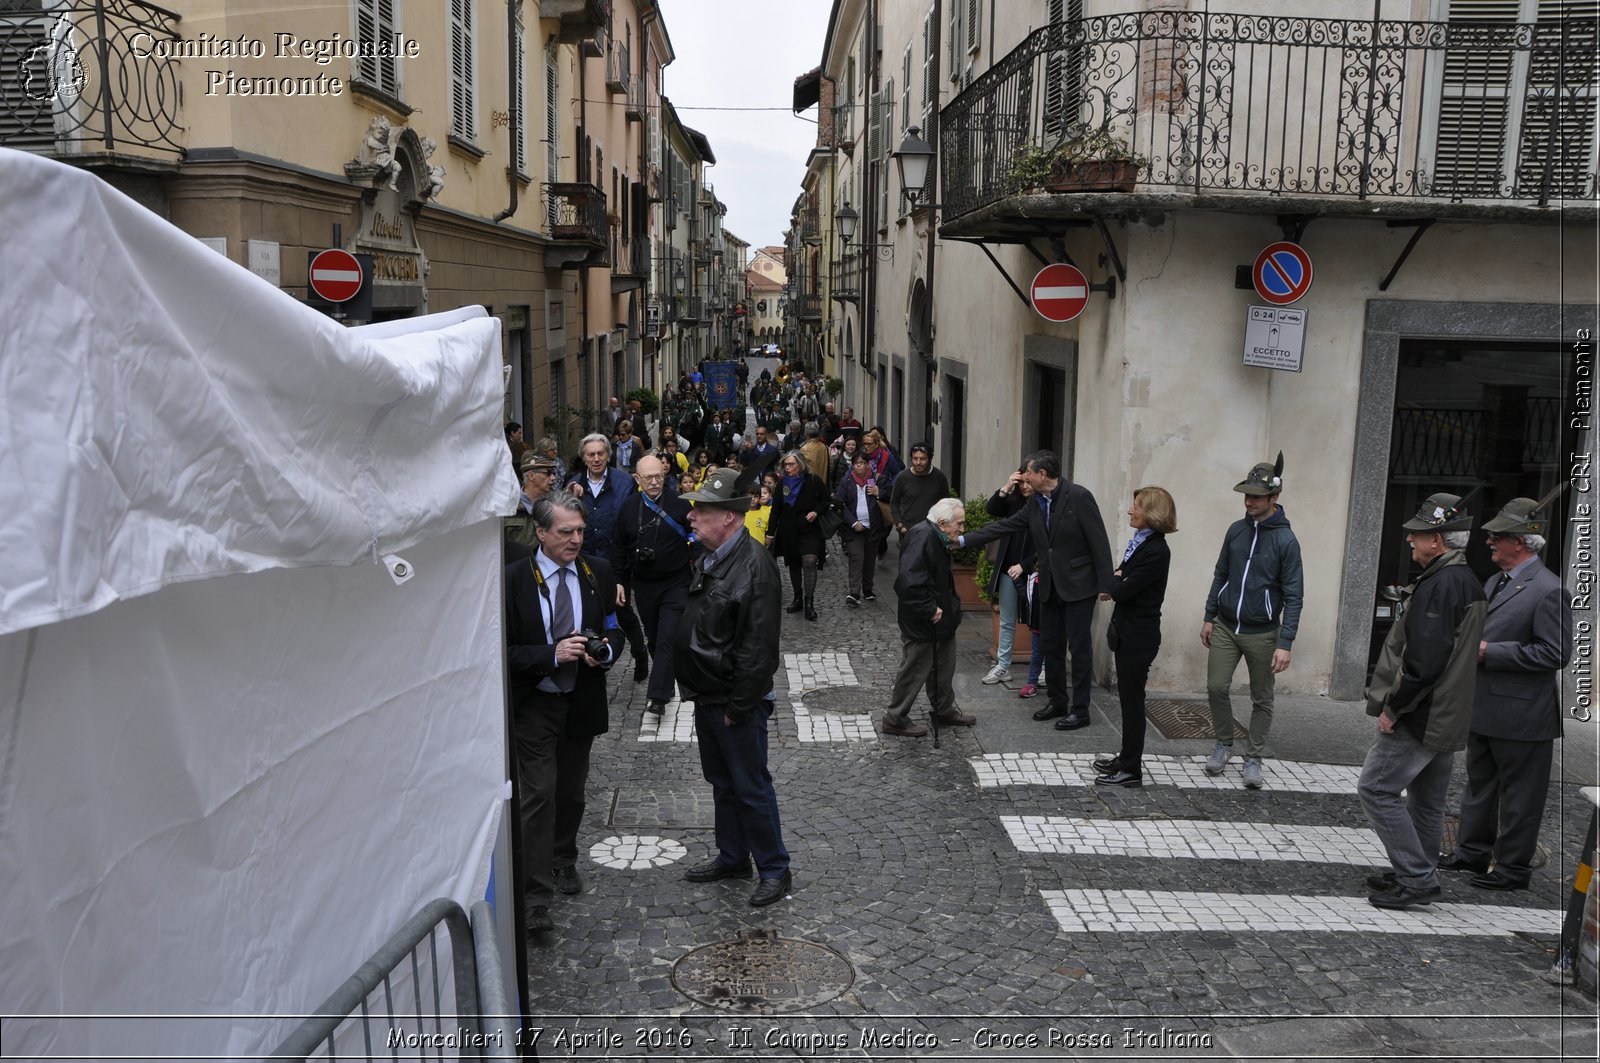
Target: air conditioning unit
{"type": "Point", "coordinates": [652, 316]}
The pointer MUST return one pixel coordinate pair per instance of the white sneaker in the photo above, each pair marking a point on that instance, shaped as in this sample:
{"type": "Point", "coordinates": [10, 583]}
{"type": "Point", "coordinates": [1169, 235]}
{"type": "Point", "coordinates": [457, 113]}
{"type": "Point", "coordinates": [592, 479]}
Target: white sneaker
{"type": "Point", "coordinates": [1218, 759]}
{"type": "Point", "coordinates": [996, 675]}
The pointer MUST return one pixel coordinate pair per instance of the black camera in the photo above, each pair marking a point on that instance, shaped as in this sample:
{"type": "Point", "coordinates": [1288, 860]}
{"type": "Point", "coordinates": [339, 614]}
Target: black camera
{"type": "Point", "coordinates": [644, 554]}
{"type": "Point", "coordinates": [593, 645]}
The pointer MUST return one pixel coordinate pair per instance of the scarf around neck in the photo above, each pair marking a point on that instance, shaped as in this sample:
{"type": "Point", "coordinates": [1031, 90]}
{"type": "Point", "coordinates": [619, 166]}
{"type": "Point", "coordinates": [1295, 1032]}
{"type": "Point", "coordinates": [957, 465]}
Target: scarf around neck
{"type": "Point", "coordinates": [791, 488]}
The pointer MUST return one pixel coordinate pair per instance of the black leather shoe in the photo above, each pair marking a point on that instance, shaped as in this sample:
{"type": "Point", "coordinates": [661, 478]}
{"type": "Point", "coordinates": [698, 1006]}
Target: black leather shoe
{"type": "Point", "coordinates": [811, 611]}
{"type": "Point", "coordinates": [1050, 712]}
{"type": "Point", "coordinates": [771, 891]}
{"type": "Point", "coordinates": [1120, 778]}
{"type": "Point", "coordinates": [1455, 863]}
{"type": "Point", "coordinates": [1107, 765]}
{"type": "Point", "coordinates": [1497, 880]}
{"type": "Point", "coordinates": [656, 708]}
{"type": "Point", "coordinates": [1381, 883]}
{"type": "Point", "coordinates": [1399, 897]}
{"type": "Point", "coordinates": [796, 606]}
{"type": "Point", "coordinates": [641, 669]}
{"type": "Point", "coordinates": [567, 880]}
{"type": "Point", "coordinates": [712, 870]}
{"type": "Point", "coordinates": [538, 919]}
{"type": "Point", "coordinates": [1072, 721]}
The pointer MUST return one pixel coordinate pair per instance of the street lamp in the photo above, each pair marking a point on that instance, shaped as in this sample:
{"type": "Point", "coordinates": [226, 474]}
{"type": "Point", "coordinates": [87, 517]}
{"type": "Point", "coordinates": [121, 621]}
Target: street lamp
{"type": "Point", "coordinates": [678, 282]}
{"type": "Point", "coordinates": [847, 218]}
{"type": "Point", "coordinates": [913, 157]}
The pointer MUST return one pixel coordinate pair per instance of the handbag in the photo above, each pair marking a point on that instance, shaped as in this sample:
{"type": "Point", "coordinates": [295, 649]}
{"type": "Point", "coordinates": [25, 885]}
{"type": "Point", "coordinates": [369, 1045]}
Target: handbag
{"type": "Point", "coordinates": [830, 519]}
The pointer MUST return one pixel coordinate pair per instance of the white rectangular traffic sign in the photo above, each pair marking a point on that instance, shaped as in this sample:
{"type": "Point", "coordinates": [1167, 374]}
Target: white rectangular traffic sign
{"type": "Point", "coordinates": [1274, 337]}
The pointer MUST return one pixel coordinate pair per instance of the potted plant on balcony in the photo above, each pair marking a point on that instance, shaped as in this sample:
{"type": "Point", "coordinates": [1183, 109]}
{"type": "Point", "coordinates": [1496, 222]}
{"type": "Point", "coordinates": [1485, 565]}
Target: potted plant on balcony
{"type": "Point", "coordinates": [1085, 160]}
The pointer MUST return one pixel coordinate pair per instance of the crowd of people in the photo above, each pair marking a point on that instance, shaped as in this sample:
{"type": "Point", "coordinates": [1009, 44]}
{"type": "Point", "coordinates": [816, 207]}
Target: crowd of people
{"type": "Point", "coordinates": [646, 554]}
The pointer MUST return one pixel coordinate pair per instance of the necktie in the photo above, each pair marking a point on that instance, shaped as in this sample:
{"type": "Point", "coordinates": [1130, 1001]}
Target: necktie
{"type": "Point", "coordinates": [1505, 578]}
{"type": "Point", "coordinates": [1044, 504]}
{"type": "Point", "coordinates": [560, 627]}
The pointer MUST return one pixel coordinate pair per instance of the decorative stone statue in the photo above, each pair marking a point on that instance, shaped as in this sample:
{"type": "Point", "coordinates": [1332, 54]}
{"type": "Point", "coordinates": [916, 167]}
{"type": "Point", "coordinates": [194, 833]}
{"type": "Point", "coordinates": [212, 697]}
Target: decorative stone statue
{"type": "Point", "coordinates": [378, 151]}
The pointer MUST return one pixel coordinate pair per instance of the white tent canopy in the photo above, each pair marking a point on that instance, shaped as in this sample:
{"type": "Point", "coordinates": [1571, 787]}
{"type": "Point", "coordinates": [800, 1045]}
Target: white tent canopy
{"type": "Point", "coordinates": [234, 753]}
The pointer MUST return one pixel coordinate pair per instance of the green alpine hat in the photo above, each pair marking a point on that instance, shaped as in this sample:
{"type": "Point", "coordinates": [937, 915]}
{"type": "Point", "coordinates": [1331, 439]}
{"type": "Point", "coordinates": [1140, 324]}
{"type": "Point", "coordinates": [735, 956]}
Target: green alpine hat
{"type": "Point", "coordinates": [1440, 513]}
{"type": "Point", "coordinates": [1264, 479]}
{"type": "Point", "coordinates": [1524, 516]}
{"type": "Point", "coordinates": [720, 491]}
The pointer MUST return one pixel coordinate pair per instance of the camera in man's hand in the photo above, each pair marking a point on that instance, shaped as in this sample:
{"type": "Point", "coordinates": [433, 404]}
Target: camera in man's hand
{"type": "Point", "coordinates": [593, 645]}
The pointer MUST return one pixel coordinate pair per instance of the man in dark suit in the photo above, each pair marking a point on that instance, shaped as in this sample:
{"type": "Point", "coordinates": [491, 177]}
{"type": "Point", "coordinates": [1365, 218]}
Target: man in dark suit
{"type": "Point", "coordinates": [1516, 711]}
{"type": "Point", "coordinates": [930, 612]}
{"type": "Point", "coordinates": [556, 603]}
{"type": "Point", "coordinates": [650, 555]}
{"type": "Point", "coordinates": [1074, 564]}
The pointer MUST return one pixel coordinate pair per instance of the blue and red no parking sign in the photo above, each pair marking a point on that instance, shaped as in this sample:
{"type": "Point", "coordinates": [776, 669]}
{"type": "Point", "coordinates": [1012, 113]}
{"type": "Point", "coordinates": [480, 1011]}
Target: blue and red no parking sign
{"type": "Point", "coordinates": [1282, 273]}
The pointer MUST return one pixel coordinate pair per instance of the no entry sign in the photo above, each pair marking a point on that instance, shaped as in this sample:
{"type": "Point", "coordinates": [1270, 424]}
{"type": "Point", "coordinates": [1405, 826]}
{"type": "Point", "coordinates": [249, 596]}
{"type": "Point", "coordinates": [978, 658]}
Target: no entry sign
{"type": "Point", "coordinates": [1282, 273]}
{"type": "Point", "coordinates": [335, 275]}
{"type": "Point", "coordinates": [1060, 292]}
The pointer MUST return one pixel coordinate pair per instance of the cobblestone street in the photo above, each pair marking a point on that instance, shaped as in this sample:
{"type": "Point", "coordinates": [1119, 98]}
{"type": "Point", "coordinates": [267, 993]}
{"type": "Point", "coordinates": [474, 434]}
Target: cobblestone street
{"type": "Point", "coordinates": [981, 899]}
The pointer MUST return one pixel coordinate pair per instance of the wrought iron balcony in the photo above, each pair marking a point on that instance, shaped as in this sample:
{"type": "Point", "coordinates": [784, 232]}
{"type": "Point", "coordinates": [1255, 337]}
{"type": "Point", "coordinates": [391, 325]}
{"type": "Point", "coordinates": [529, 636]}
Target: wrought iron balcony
{"type": "Point", "coordinates": [694, 310]}
{"type": "Point", "coordinates": [634, 259]}
{"type": "Point", "coordinates": [846, 286]}
{"type": "Point", "coordinates": [810, 231]}
{"type": "Point", "coordinates": [633, 109]}
{"type": "Point", "coordinates": [82, 78]}
{"type": "Point", "coordinates": [811, 307]}
{"type": "Point", "coordinates": [1236, 110]}
{"type": "Point", "coordinates": [579, 231]}
{"type": "Point", "coordinates": [617, 69]}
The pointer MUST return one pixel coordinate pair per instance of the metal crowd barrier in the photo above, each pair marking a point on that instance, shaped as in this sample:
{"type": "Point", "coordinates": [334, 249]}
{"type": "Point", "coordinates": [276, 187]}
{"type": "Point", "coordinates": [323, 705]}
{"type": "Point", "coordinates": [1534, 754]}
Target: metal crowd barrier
{"type": "Point", "coordinates": [374, 1016]}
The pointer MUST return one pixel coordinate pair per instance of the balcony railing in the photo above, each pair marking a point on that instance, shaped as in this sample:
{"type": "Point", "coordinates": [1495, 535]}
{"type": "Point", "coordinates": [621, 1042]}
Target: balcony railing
{"type": "Point", "coordinates": [847, 277]}
{"type": "Point", "coordinates": [84, 78]}
{"type": "Point", "coordinates": [618, 69]}
{"type": "Point", "coordinates": [811, 307]}
{"type": "Point", "coordinates": [633, 109]}
{"type": "Point", "coordinates": [578, 214]}
{"type": "Point", "coordinates": [694, 310]}
{"type": "Point", "coordinates": [810, 231]}
{"type": "Point", "coordinates": [1278, 105]}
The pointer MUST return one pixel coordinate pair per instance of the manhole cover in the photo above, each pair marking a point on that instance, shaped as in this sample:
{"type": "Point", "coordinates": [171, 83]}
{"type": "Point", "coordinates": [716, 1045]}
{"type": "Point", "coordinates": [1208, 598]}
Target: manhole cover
{"type": "Point", "coordinates": [847, 700]}
{"type": "Point", "coordinates": [1185, 719]}
{"type": "Point", "coordinates": [760, 971]}
{"type": "Point", "coordinates": [662, 809]}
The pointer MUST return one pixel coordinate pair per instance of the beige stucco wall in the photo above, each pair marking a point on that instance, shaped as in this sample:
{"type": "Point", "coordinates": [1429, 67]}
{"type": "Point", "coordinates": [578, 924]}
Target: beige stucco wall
{"type": "Point", "coordinates": [1163, 395]}
{"type": "Point", "coordinates": [324, 130]}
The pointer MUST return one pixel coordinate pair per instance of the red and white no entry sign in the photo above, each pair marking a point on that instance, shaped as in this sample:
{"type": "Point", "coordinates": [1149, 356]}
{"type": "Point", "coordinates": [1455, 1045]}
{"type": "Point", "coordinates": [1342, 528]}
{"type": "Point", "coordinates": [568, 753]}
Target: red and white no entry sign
{"type": "Point", "coordinates": [1282, 273]}
{"type": "Point", "coordinates": [335, 275]}
{"type": "Point", "coordinates": [1060, 292]}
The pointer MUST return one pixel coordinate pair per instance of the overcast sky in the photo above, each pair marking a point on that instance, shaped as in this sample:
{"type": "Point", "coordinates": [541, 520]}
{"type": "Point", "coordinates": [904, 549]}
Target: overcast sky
{"type": "Point", "coordinates": [747, 53]}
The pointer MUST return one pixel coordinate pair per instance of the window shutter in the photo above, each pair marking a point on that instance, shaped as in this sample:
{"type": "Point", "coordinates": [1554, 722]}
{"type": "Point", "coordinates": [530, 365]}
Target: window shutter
{"type": "Point", "coordinates": [905, 94]}
{"type": "Point", "coordinates": [1063, 67]}
{"type": "Point", "coordinates": [552, 113]}
{"type": "Point", "coordinates": [927, 67]}
{"type": "Point", "coordinates": [882, 158]}
{"type": "Point", "coordinates": [377, 20]}
{"type": "Point", "coordinates": [1559, 102]}
{"type": "Point", "coordinates": [974, 25]}
{"type": "Point", "coordinates": [952, 44]}
{"type": "Point", "coordinates": [463, 91]}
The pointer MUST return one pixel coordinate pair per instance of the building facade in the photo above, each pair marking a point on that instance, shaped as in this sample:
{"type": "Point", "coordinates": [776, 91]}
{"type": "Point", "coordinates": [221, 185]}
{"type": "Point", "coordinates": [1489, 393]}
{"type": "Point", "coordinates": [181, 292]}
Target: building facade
{"type": "Point", "coordinates": [474, 152]}
{"type": "Point", "coordinates": [1436, 163]}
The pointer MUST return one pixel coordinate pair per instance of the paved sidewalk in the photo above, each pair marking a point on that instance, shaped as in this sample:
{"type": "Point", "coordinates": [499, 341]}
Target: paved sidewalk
{"type": "Point", "coordinates": [982, 900]}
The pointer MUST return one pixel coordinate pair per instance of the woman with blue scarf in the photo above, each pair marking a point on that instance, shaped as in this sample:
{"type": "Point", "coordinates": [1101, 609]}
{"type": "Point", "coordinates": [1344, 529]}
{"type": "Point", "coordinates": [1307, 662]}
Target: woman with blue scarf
{"type": "Point", "coordinates": [797, 502]}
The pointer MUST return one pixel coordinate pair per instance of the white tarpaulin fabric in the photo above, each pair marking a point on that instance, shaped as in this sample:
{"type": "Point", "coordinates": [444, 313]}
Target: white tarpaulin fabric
{"type": "Point", "coordinates": [235, 755]}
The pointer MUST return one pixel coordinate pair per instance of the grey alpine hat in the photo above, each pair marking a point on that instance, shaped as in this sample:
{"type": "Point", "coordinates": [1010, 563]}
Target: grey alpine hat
{"type": "Point", "coordinates": [1264, 479]}
{"type": "Point", "coordinates": [531, 461]}
{"type": "Point", "coordinates": [1524, 516]}
{"type": "Point", "coordinates": [1440, 512]}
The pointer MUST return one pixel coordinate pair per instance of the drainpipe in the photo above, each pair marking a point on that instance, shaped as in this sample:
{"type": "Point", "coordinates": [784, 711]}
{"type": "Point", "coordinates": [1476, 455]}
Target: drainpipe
{"type": "Point", "coordinates": [511, 96]}
{"type": "Point", "coordinates": [869, 338]}
{"type": "Point", "coordinates": [933, 212]}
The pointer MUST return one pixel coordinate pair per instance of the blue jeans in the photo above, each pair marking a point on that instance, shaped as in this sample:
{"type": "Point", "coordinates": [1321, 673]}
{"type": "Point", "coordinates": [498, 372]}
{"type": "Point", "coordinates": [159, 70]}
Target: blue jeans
{"type": "Point", "coordinates": [1412, 826]}
{"type": "Point", "coordinates": [1008, 622]}
{"type": "Point", "coordinates": [734, 762]}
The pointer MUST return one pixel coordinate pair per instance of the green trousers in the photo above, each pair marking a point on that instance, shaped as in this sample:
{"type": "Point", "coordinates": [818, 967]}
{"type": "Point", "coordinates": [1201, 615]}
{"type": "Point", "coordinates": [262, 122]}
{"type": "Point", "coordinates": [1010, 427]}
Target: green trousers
{"type": "Point", "coordinates": [1226, 649]}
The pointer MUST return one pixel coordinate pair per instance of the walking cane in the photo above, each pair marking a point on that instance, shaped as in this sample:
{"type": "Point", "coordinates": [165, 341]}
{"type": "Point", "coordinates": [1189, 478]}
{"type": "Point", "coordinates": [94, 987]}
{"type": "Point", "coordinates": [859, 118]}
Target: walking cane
{"type": "Point", "coordinates": [933, 717]}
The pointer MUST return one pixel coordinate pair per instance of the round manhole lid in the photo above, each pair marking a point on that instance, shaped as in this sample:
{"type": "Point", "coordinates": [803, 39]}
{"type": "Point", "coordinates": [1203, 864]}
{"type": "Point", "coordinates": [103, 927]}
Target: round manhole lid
{"type": "Point", "coordinates": [760, 971]}
{"type": "Point", "coordinates": [847, 700]}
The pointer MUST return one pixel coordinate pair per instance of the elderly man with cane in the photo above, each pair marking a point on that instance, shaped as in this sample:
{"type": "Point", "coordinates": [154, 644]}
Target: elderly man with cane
{"type": "Point", "coordinates": [930, 612]}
